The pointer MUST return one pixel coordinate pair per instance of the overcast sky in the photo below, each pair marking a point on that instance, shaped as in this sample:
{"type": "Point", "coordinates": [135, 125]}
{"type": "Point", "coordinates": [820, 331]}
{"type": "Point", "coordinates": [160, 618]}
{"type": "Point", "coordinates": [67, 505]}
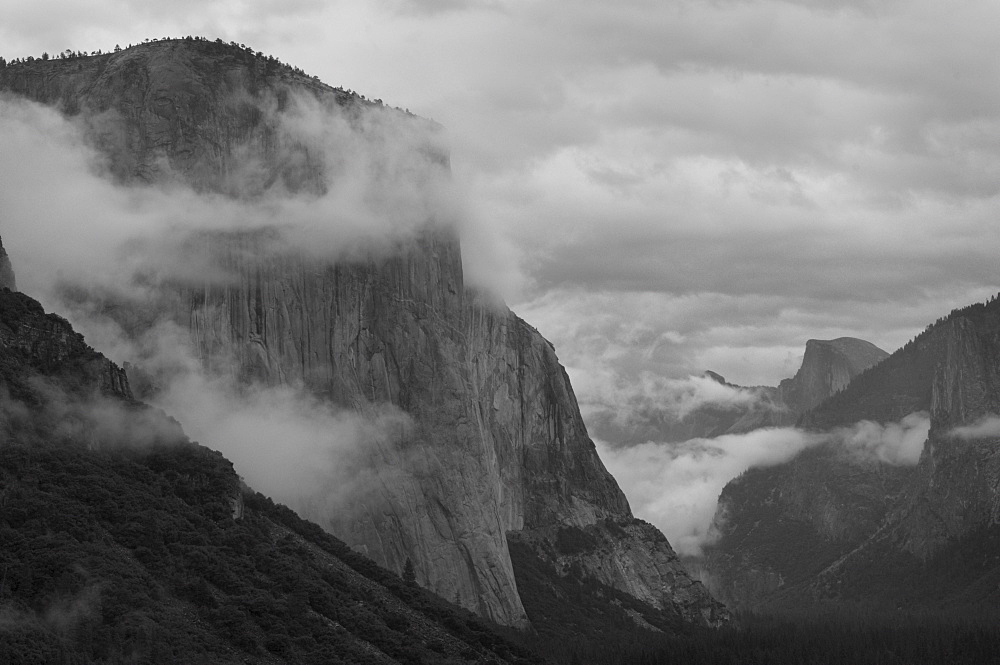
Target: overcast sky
{"type": "Point", "coordinates": [669, 187]}
{"type": "Point", "coordinates": [665, 187]}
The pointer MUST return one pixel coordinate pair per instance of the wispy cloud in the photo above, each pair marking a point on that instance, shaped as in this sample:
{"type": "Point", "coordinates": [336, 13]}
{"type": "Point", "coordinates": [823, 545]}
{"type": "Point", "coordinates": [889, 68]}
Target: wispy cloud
{"type": "Point", "coordinates": [985, 428]}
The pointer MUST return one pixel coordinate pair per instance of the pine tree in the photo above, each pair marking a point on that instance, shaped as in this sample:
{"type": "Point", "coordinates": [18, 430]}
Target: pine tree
{"type": "Point", "coordinates": [409, 575]}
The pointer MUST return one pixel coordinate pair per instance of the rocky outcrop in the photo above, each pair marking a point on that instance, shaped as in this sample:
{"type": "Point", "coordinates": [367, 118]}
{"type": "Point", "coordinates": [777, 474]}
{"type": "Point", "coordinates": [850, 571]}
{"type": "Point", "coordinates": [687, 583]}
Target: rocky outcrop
{"type": "Point", "coordinates": [34, 343]}
{"type": "Point", "coordinates": [494, 443]}
{"type": "Point", "coordinates": [628, 555]}
{"type": "Point", "coordinates": [827, 367]}
{"type": "Point", "coordinates": [6, 271]}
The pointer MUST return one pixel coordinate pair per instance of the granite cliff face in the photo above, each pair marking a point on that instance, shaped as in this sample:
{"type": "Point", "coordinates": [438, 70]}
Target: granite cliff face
{"type": "Point", "coordinates": [831, 526]}
{"type": "Point", "coordinates": [827, 367]}
{"type": "Point", "coordinates": [495, 444]}
{"type": "Point", "coordinates": [122, 540]}
{"type": "Point", "coordinates": [7, 280]}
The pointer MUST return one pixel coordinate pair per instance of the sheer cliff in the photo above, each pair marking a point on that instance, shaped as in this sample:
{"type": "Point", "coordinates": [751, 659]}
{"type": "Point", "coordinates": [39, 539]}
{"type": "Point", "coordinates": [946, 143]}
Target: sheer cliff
{"type": "Point", "coordinates": [495, 443]}
{"type": "Point", "coordinates": [6, 271]}
{"type": "Point", "coordinates": [832, 525]}
{"type": "Point", "coordinates": [827, 367]}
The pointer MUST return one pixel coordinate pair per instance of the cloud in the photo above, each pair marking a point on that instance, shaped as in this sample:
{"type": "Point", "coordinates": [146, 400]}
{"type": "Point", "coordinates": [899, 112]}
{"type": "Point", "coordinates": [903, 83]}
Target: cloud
{"type": "Point", "coordinates": [61, 615]}
{"type": "Point", "coordinates": [380, 180]}
{"type": "Point", "coordinates": [898, 444]}
{"type": "Point", "coordinates": [986, 427]}
{"type": "Point", "coordinates": [652, 407]}
{"type": "Point", "coordinates": [306, 453]}
{"type": "Point", "coordinates": [676, 486]}
{"type": "Point", "coordinates": [63, 413]}
{"type": "Point", "coordinates": [698, 391]}
{"type": "Point", "coordinates": [607, 339]}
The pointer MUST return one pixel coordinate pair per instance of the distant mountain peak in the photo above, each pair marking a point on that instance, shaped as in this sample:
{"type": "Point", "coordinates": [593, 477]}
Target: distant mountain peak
{"type": "Point", "coordinates": [827, 367]}
{"type": "Point", "coordinates": [718, 378]}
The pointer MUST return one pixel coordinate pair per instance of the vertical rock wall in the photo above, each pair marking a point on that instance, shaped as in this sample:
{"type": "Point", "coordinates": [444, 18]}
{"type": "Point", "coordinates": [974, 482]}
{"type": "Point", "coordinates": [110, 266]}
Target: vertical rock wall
{"type": "Point", "coordinates": [498, 443]}
{"type": "Point", "coordinates": [6, 270]}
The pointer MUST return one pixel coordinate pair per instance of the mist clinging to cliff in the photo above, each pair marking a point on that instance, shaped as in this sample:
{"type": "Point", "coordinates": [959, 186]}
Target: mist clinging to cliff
{"type": "Point", "coordinates": [676, 486]}
{"type": "Point", "coordinates": [108, 255]}
{"type": "Point", "coordinates": [342, 187]}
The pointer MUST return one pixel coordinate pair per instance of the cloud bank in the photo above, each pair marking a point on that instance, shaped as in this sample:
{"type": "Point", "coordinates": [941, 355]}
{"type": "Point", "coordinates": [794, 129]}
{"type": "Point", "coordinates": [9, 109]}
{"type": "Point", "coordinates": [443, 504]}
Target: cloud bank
{"type": "Point", "coordinates": [67, 221]}
{"type": "Point", "coordinates": [677, 486]}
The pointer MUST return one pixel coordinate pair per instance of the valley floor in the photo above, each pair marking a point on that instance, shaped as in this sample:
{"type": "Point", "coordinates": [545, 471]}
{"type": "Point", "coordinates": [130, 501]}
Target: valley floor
{"type": "Point", "coordinates": [820, 638]}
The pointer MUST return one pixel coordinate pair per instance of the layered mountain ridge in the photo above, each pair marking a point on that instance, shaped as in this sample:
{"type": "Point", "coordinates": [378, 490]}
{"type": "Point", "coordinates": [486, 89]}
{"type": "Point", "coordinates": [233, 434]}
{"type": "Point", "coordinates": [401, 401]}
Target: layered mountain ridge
{"type": "Point", "coordinates": [830, 525]}
{"type": "Point", "coordinates": [827, 367]}
{"type": "Point", "coordinates": [496, 445]}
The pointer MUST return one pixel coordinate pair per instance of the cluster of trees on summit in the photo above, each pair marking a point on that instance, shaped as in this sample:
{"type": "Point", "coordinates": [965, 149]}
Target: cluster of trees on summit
{"type": "Point", "coordinates": [231, 48]}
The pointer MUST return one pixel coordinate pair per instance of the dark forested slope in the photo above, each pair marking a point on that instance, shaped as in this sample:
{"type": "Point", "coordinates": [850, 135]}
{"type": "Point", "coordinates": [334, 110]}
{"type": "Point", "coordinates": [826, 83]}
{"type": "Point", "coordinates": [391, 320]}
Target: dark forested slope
{"type": "Point", "coordinates": [122, 541]}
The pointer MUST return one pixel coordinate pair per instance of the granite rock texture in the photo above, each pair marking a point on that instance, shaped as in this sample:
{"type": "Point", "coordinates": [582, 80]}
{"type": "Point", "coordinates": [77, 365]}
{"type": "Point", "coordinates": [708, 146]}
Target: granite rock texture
{"type": "Point", "coordinates": [827, 367]}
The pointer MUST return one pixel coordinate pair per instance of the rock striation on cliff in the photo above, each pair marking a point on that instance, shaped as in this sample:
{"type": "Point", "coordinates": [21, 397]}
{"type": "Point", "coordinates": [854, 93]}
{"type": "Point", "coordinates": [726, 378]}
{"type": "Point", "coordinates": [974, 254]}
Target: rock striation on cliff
{"type": "Point", "coordinates": [7, 280]}
{"type": "Point", "coordinates": [495, 444]}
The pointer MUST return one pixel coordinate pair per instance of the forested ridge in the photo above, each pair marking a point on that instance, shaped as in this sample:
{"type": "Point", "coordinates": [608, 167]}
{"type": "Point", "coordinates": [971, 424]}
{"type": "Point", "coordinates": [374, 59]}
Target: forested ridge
{"type": "Point", "coordinates": [139, 555]}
